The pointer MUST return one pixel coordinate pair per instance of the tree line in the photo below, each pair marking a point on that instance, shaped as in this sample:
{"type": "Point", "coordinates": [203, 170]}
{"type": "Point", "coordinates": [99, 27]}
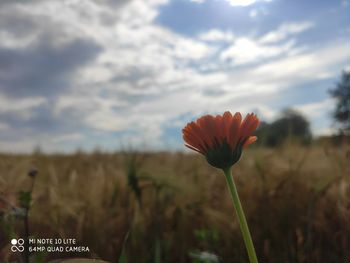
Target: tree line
{"type": "Point", "coordinates": [291, 124]}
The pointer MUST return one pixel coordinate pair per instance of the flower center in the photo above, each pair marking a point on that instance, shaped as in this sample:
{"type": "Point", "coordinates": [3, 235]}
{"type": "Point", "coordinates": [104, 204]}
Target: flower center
{"type": "Point", "coordinates": [223, 156]}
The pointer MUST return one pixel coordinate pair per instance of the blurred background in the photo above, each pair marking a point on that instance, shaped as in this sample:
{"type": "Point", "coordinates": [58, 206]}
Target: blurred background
{"type": "Point", "coordinates": [93, 97]}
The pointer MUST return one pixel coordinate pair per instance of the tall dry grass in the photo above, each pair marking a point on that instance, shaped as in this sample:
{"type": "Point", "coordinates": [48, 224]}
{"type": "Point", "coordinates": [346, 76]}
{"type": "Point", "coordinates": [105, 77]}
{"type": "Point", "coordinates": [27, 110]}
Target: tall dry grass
{"type": "Point", "coordinates": [172, 207]}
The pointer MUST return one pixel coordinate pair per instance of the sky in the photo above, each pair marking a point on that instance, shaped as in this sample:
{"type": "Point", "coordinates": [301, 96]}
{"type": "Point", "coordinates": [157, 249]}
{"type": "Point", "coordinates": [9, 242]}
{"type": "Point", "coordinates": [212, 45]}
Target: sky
{"type": "Point", "coordinates": [110, 74]}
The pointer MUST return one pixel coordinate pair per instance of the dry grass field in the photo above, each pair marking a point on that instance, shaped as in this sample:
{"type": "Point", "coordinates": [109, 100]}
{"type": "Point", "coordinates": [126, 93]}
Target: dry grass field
{"type": "Point", "coordinates": [173, 207]}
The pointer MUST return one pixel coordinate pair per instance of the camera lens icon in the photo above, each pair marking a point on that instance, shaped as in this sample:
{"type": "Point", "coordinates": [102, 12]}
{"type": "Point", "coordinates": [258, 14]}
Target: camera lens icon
{"type": "Point", "coordinates": [17, 245]}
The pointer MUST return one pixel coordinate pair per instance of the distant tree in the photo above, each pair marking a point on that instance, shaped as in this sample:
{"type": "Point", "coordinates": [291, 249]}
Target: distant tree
{"type": "Point", "coordinates": [291, 124]}
{"type": "Point", "coordinates": [342, 94]}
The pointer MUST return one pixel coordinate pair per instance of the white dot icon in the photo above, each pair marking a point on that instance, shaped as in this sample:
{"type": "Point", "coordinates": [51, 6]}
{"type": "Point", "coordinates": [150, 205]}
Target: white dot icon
{"type": "Point", "coordinates": [14, 241]}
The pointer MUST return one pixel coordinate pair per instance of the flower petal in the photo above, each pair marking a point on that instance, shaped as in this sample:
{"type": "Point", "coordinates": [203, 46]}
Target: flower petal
{"type": "Point", "coordinates": [194, 149]}
{"type": "Point", "coordinates": [192, 137]}
{"type": "Point", "coordinates": [234, 130]}
{"type": "Point", "coordinates": [226, 123]}
{"type": "Point", "coordinates": [250, 140]}
{"type": "Point", "coordinates": [207, 124]}
{"type": "Point", "coordinates": [248, 126]}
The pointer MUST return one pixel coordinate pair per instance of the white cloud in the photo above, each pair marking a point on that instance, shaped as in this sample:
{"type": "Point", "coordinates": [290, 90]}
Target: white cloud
{"type": "Point", "coordinates": [10, 41]}
{"type": "Point", "coordinates": [316, 109]}
{"type": "Point", "coordinates": [245, 2]}
{"type": "Point", "coordinates": [253, 13]}
{"type": "Point", "coordinates": [215, 35]}
{"type": "Point", "coordinates": [23, 106]}
{"type": "Point", "coordinates": [46, 142]}
{"type": "Point", "coordinates": [284, 31]}
{"type": "Point", "coordinates": [315, 112]}
{"type": "Point", "coordinates": [68, 137]}
{"type": "Point", "coordinates": [245, 50]}
{"type": "Point", "coordinates": [235, 2]}
{"type": "Point", "coordinates": [312, 64]}
{"type": "Point", "coordinates": [198, 1]}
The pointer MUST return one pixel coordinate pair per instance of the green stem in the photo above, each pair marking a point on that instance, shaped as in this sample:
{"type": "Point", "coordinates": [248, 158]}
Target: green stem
{"type": "Point", "coordinates": [241, 217]}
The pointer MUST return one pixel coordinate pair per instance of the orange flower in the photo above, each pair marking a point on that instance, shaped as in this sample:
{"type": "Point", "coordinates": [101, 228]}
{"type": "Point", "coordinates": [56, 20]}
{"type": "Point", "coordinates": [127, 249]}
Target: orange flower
{"type": "Point", "coordinates": [221, 138]}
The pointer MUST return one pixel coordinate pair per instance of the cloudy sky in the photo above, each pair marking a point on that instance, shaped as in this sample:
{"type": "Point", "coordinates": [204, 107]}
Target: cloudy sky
{"type": "Point", "coordinates": [112, 73]}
